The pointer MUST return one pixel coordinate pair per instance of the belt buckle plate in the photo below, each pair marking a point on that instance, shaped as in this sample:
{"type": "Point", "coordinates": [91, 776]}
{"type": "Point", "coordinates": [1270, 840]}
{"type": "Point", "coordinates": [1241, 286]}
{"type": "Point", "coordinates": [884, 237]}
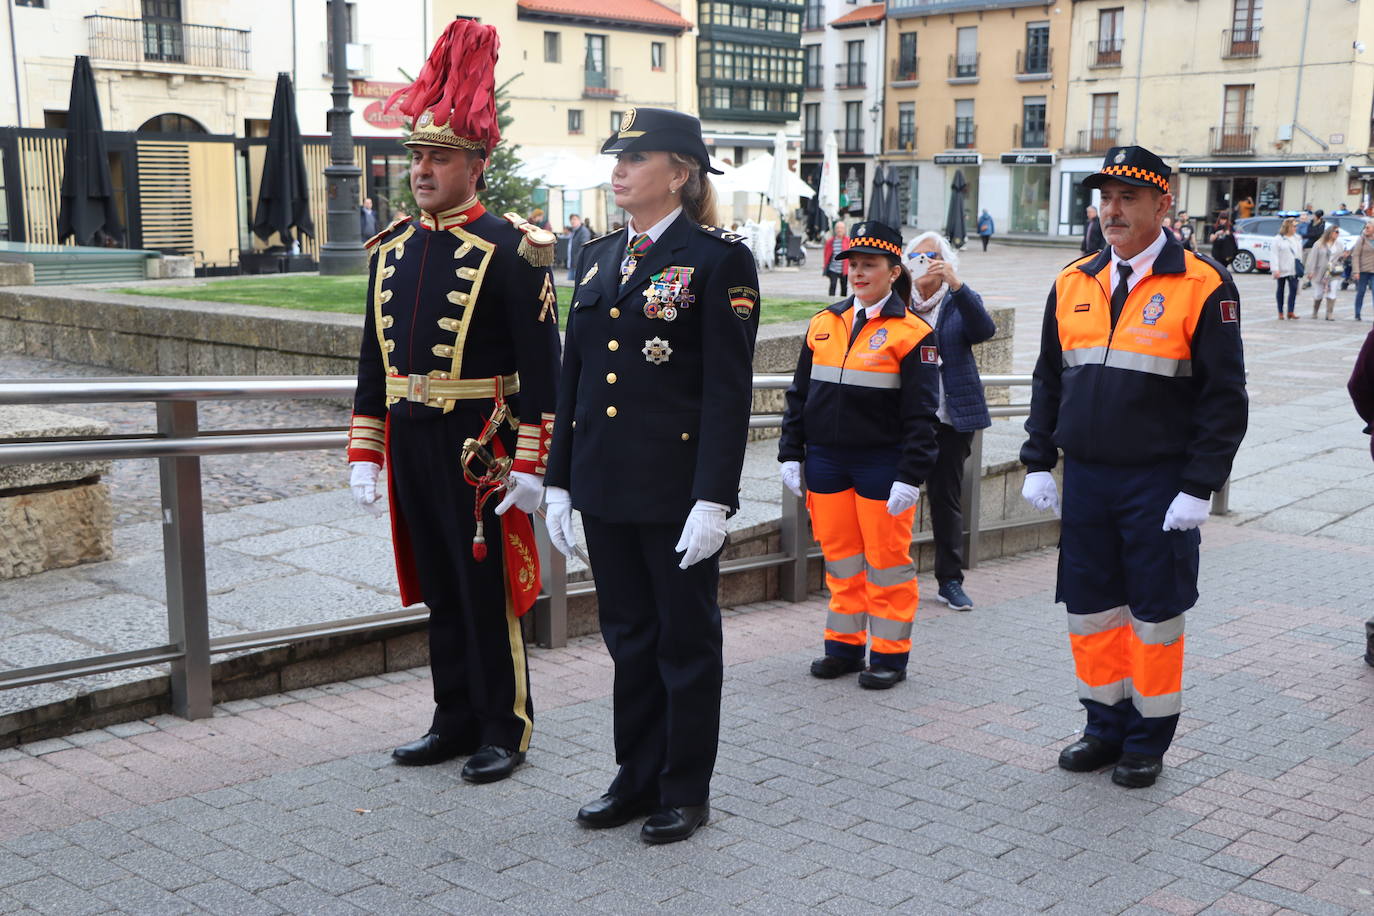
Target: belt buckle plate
{"type": "Point", "coordinates": [417, 388]}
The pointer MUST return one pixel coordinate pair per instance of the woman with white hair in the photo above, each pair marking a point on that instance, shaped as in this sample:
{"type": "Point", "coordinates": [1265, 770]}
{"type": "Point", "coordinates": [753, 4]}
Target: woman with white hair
{"type": "Point", "coordinates": [957, 314]}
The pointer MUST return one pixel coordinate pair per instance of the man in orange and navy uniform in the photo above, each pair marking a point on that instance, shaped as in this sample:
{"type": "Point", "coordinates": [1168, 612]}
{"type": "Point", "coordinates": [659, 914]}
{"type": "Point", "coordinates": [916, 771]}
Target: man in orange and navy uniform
{"type": "Point", "coordinates": [460, 322]}
{"type": "Point", "coordinates": [1141, 383]}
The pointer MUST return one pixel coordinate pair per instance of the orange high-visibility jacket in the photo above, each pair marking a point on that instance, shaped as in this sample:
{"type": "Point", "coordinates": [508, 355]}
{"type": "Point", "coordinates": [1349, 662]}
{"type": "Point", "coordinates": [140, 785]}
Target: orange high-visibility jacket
{"type": "Point", "coordinates": [1167, 382]}
{"type": "Point", "coordinates": [882, 390]}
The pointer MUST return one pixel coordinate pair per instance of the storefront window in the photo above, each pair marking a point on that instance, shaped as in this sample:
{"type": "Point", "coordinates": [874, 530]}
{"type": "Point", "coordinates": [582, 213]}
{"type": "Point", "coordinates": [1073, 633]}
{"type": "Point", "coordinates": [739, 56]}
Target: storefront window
{"type": "Point", "coordinates": [1076, 200]}
{"type": "Point", "coordinates": [1030, 199]}
{"type": "Point", "coordinates": [906, 193]}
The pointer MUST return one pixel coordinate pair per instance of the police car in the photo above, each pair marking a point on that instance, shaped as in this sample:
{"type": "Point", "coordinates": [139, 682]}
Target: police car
{"type": "Point", "coordinates": [1255, 236]}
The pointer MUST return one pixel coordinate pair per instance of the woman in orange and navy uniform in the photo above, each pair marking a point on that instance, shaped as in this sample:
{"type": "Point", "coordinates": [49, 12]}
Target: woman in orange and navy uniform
{"type": "Point", "coordinates": [861, 415]}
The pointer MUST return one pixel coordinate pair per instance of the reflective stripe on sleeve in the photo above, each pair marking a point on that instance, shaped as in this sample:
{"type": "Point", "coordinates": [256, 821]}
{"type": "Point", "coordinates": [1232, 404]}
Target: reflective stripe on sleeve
{"type": "Point", "coordinates": [845, 567]}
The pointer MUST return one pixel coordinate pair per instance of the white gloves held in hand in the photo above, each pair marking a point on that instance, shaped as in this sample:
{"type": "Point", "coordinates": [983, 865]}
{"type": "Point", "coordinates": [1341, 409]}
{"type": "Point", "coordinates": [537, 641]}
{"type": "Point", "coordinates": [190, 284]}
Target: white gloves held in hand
{"type": "Point", "coordinates": [791, 476]}
{"type": "Point", "coordinates": [902, 497]}
{"type": "Point", "coordinates": [1041, 491]}
{"type": "Point", "coordinates": [362, 479]}
{"type": "Point", "coordinates": [558, 519]}
{"type": "Point", "coordinates": [523, 491]}
{"type": "Point", "coordinates": [1186, 513]}
{"type": "Point", "coordinates": [703, 533]}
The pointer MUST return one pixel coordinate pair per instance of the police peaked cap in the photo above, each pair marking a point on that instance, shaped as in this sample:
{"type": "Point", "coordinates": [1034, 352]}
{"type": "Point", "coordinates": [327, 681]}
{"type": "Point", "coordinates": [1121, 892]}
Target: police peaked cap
{"type": "Point", "coordinates": [873, 237]}
{"type": "Point", "coordinates": [1133, 165]}
{"type": "Point", "coordinates": [661, 130]}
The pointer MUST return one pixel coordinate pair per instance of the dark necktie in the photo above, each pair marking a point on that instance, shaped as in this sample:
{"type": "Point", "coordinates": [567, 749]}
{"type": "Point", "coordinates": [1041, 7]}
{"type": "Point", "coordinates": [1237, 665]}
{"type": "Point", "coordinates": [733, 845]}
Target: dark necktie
{"type": "Point", "coordinates": [860, 319]}
{"type": "Point", "coordinates": [1121, 291]}
{"type": "Point", "coordinates": [633, 253]}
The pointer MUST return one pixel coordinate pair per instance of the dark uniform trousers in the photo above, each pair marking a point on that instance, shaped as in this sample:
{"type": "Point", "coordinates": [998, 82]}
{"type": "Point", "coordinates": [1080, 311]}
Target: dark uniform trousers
{"type": "Point", "coordinates": [944, 499]}
{"type": "Point", "coordinates": [669, 668]}
{"type": "Point", "coordinates": [477, 649]}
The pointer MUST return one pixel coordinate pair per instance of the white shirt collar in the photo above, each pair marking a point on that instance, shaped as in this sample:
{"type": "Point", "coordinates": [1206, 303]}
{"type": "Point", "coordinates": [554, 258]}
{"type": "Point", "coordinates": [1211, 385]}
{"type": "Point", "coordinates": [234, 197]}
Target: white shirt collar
{"type": "Point", "coordinates": [1141, 263]}
{"type": "Point", "coordinates": [871, 310]}
{"type": "Point", "coordinates": [654, 231]}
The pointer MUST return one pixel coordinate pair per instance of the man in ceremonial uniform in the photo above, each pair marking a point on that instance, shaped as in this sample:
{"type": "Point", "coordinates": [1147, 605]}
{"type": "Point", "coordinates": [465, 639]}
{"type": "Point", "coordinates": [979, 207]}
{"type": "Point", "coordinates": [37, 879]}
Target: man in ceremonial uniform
{"type": "Point", "coordinates": [1141, 382]}
{"type": "Point", "coordinates": [456, 391]}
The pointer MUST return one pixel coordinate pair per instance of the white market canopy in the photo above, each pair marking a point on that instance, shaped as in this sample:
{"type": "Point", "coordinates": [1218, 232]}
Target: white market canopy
{"type": "Point", "coordinates": [756, 176]}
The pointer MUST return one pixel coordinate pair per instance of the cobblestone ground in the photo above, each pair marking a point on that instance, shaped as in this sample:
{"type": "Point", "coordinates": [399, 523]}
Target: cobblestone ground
{"type": "Point", "coordinates": [940, 796]}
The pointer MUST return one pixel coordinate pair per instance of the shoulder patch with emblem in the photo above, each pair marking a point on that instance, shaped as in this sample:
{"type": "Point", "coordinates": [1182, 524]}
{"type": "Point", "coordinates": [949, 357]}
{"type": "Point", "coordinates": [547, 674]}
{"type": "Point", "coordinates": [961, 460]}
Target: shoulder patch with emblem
{"type": "Point", "coordinates": [383, 234]}
{"type": "Point", "coordinates": [930, 355]}
{"type": "Point", "coordinates": [1230, 310]}
{"type": "Point", "coordinates": [724, 235]}
{"type": "Point", "coordinates": [742, 300]}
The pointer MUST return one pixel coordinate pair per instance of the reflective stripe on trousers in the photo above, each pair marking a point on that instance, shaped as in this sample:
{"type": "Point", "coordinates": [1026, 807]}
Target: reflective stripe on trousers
{"type": "Point", "coordinates": [1118, 657]}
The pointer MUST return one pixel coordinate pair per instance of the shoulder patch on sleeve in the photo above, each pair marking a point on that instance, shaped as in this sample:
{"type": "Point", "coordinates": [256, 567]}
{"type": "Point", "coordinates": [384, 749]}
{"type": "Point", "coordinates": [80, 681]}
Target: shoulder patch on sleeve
{"type": "Point", "coordinates": [1230, 310]}
{"type": "Point", "coordinates": [724, 235]}
{"type": "Point", "coordinates": [383, 234]}
{"type": "Point", "coordinates": [742, 300]}
{"type": "Point", "coordinates": [930, 354]}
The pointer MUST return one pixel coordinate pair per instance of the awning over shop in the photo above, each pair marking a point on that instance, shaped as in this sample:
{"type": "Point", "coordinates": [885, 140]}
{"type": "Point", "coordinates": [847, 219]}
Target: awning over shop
{"type": "Point", "coordinates": [1260, 166]}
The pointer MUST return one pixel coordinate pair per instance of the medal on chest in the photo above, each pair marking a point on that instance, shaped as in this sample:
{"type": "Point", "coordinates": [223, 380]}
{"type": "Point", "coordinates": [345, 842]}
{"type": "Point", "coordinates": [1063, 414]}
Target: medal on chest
{"type": "Point", "coordinates": [667, 292]}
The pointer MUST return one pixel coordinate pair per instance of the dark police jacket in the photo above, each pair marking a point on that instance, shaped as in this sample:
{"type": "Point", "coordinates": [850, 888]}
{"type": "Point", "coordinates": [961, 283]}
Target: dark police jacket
{"type": "Point", "coordinates": [654, 414]}
{"type": "Point", "coordinates": [451, 297]}
{"type": "Point", "coordinates": [1165, 382]}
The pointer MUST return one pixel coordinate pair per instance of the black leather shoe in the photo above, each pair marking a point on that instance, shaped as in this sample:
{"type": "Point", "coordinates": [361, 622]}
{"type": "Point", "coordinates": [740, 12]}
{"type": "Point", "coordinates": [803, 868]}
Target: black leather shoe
{"type": "Point", "coordinates": [881, 678]}
{"type": "Point", "coordinates": [431, 749]}
{"type": "Point", "coordinates": [1136, 771]}
{"type": "Point", "coordinates": [492, 763]}
{"type": "Point", "coordinates": [611, 811]}
{"type": "Point", "coordinates": [831, 666]}
{"type": "Point", "coordinates": [1088, 753]}
{"type": "Point", "coordinates": [671, 825]}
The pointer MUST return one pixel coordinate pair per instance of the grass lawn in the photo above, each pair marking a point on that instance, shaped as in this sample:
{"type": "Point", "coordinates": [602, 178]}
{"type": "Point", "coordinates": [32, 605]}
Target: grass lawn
{"type": "Point", "coordinates": [346, 294]}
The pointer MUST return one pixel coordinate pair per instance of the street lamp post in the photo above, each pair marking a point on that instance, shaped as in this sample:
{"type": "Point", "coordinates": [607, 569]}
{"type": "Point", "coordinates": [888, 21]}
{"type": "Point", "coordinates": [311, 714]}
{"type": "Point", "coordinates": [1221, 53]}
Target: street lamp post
{"type": "Point", "coordinates": [343, 253]}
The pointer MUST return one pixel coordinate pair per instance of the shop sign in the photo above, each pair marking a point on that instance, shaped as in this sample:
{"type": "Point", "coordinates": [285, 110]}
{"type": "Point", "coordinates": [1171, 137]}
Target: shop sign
{"type": "Point", "coordinates": [958, 159]}
{"type": "Point", "coordinates": [1028, 158]}
{"type": "Point", "coordinates": [385, 120]}
{"type": "Point", "coordinates": [370, 89]}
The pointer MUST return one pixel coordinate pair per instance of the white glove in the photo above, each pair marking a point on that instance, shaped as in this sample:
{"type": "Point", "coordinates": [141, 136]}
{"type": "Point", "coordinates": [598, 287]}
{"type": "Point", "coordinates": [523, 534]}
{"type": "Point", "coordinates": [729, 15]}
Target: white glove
{"type": "Point", "coordinates": [1041, 491]}
{"type": "Point", "coordinates": [791, 476]}
{"type": "Point", "coordinates": [902, 497]}
{"type": "Point", "coordinates": [703, 533]}
{"type": "Point", "coordinates": [558, 520]}
{"type": "Point", "coordinates": [1186, 513]}
{"type": "Point", "coordinates": [523, 491]}
{"type": "Point", "coordinates": [362, 478]}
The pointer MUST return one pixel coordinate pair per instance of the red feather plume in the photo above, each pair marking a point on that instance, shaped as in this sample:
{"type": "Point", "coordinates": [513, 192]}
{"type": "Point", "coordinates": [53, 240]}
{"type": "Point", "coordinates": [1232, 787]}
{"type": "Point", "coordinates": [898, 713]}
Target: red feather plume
{"type": "Point", "coordinates": [458, 83]}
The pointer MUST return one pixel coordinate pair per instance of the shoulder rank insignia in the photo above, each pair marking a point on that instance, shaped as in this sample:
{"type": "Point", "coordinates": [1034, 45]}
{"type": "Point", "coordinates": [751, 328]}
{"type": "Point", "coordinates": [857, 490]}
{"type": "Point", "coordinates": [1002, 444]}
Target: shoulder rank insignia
{"type": "Point", "coordinates": [537, 244]}
{"type": "Point", "coordinates": [381, 235]}
{"type": "Point", "coordinates": [723, 234]}
{"type": "Point", "coordinates": [587, 277]}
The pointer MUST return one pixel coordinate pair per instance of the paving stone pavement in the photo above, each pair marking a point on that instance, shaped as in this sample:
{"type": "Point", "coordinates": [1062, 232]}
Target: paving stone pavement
{"type": "Point", "coordinates": [940, 796]}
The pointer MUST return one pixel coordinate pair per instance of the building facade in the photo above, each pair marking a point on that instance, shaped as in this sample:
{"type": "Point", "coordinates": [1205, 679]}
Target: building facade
{"type": "Point", "coordinates": [1259, 107]}
{"type": "Point", "coordinates": [845, 63]}
{"type": "Point", "coordinates": [976, 88]}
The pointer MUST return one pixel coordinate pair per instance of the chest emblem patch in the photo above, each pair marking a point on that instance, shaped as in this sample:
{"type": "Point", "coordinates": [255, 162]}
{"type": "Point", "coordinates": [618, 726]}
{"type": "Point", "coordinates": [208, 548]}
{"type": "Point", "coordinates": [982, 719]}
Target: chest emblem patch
{"type": "Point", "coordinates": [1153, 310]}
{"type": "Point", "coordinates": [878, 339]}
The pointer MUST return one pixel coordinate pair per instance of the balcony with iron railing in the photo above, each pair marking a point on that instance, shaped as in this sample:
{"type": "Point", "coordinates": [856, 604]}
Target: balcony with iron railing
{"type": "Point", "coordinates": [811, 141]}
{"type": "Point", "coordinates": [850, 75]}
{"type": "Point", "coordinates": [905, 69]}
{"type": "Point", "coordinates": [1097, 139]}
{"type": "Point", "coordinates": [852, 140]}
{"type": "Point", "coordinates": [601, 84]}
{"type": "Point", "coordinates": [899, 140]}
{"type": "Point", "coordinates": [1232, 140]}
{"type": "Point", "coordinates": [160, 41]}
{"type": "Point", "coordinates": [811, 76]}
{"type": "Point", "coordinates": [1240, 43]}
{"type": "Point", "coordinates": [1034, 64]}
{"type": "Point", "coordinates": [1035, 138]}
{"type": "Point", "coordinates": [963, 135]}
{"type": "Point", "coordinates": [963, 67]}
{"type": "Point", "coordinates": [1105, 52]}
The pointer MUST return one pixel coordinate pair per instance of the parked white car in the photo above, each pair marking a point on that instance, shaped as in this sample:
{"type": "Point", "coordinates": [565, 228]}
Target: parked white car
{"type": "Point", "coordinates": [1255, 235]}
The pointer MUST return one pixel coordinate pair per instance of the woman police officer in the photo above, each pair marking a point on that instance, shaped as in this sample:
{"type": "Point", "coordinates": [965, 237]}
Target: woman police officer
{"type": "Point", "coordinates": [648, 444]}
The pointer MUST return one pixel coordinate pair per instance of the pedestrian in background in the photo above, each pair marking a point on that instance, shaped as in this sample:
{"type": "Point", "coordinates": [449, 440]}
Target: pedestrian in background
{"type": "Point", "coordinates": [1183, 228]}
{"type": "Point", "coordinates": [368, 218]}
{"type": "Point", "coordinates": [1315, 227]}
{"type": "Point", "coordinates": [1362, 265]}
{"type": "Point", "coordinates": [1285, 264]}
{"type": "Point", "coordinates": [579, 234]}
{"type": "Point", "coordinates": [985, 227]}
{"type": "Point", "coordinates": [1324, 266]}
{"type": "Point", "coordinates": [1092, 233]}
{"type": "Point", "coordinates": [960, 321]}
{"type": "Point", "coordinates": [1223, 241]}
{"type": "Point", "coordinates": [1246, 208]}
{"type": "Point", "coordinates": [836, 267]}
{"type": "Point", "coordinates": [538, 219]}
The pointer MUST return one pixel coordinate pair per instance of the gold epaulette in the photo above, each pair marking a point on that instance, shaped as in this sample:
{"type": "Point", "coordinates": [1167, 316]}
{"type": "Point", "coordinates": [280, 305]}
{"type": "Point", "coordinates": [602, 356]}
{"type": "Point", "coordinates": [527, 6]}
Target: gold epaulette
{"type": "Point", "coordinates": [537, 244]}
{"type": "Point", "coordinates": [725, 235]}
{"type": "Point", "coordinates": [380, 235]}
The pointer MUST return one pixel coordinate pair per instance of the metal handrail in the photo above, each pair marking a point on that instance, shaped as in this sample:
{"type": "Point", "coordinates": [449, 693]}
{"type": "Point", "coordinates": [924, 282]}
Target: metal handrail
{"type": "Point", "coordinates": [179, 444]}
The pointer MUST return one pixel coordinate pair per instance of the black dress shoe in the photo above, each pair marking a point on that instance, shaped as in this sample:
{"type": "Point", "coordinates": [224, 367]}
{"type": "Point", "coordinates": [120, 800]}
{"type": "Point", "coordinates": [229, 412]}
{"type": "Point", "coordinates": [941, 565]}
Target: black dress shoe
{"type": "Point", "coordinates": [1136, 771]}
{"type": "Point", "coordinates": [612, 811]}
{"type": "Point", "coordinates": [431, 749]}
{"type": "Point", "coordinates": [492, 763]}
{"type": "Point", "coordinates": [881, 678]}
{"type": "Point", "coordinates": [831, 666]}
{"type": "Point", "coordinates": [1088, 753]}
{"type": "Point", "coordinates": [670, 825]}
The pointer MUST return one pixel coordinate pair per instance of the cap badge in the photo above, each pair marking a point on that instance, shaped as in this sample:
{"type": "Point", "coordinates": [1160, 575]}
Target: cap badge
{"type": "Point", "coordinates": [1120, 157]}
{"type": "Point", "coordinates": [426, 118]}
{"type": "Point", "coordinates": [627, 120]}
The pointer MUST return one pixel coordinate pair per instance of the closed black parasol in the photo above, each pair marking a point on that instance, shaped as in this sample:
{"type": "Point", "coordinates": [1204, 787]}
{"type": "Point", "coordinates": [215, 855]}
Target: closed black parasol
{"type": "Point", "coordinates": [955, 229]}
{"type": "Point", "coordinates": [88, 207]}
{"type": "Point", "coordinates": [283, 195]}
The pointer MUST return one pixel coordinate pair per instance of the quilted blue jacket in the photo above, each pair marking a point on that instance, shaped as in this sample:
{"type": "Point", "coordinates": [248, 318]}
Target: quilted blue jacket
{"type": "Point", "coordinates": [963, 322]}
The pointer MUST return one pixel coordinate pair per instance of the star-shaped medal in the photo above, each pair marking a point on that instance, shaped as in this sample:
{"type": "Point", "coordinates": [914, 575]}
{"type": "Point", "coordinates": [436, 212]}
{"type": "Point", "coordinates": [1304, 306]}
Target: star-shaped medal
{"type": "Point", "coordinates": [657, 351]}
